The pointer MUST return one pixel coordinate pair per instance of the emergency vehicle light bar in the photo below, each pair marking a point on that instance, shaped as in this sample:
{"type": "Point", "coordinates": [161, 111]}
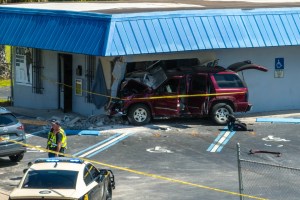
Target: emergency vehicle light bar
{"type": "Point", "coordinates": [59, 159]}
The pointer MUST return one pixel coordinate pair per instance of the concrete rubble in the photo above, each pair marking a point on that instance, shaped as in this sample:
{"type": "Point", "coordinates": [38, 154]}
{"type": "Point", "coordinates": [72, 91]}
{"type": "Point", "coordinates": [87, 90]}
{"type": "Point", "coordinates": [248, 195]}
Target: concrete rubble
{"type": "Point", "coordinates": [71, 121]}
{"type": "Point", "coordinates": [94, 122]}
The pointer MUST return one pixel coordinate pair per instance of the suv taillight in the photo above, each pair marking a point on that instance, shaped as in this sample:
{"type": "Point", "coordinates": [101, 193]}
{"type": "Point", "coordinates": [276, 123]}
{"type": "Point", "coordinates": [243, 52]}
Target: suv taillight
{"type": "Point", "coordinates": [21, 128]}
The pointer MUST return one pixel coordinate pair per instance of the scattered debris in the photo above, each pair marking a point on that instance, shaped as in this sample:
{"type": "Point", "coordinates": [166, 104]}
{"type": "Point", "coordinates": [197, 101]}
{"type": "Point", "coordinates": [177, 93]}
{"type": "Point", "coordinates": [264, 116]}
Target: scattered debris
{"type": "Point", "coordinates": [159, 149]}
{"type": "Point", "coordinates": [85, 123]}
{"type": "Point", "coordinates": [274, 139]}
{"type": "Point", "coordinates": [278, 154]}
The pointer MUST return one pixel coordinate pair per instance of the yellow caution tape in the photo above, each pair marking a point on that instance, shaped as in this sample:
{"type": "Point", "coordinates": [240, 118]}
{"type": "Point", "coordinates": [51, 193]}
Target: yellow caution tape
{"type": "Point", "coordinates": [141, 173]}
{"type": "Point", "coordinates": [186, 96]}
{"type": "Point", "coordinates": [89, 92]}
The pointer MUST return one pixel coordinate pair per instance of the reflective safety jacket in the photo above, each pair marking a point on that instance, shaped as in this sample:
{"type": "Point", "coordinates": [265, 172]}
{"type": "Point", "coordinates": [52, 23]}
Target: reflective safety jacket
{"type": "Point", "coordinates": [52, 139]}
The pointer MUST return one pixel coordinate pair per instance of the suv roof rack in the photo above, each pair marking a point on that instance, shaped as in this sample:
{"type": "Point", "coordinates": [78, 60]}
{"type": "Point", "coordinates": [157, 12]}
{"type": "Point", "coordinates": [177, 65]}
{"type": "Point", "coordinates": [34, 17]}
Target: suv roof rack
{"type": "Point", "coordinates": [59, 159]}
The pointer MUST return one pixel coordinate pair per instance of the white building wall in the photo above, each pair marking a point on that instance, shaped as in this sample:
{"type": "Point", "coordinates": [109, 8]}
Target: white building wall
{"type": "Point", "coordinates": [80, 104]}
{"type": "Point", "coordinates": [267, 93]}
{"type": "Point", "coordinates": [24, 97]}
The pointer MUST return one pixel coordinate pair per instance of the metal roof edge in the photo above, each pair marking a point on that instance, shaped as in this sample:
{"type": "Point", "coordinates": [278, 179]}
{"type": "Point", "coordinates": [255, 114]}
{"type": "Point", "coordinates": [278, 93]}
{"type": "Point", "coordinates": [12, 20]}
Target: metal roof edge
{"type": "Point", "coordinates": [61, 13]}
{"type": "Point", "coordinates": [206, 12]}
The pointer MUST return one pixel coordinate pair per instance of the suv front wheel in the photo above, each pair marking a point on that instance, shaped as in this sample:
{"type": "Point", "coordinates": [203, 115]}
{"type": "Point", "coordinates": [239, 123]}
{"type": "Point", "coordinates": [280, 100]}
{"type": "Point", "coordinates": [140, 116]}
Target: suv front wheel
{"type": "Point", "coordinates": [220, 112]}
{"type": "Point", "coordinates": [139, 114]}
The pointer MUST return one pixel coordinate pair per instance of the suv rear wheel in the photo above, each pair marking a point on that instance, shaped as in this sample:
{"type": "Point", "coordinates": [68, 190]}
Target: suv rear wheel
{"type": "Point", "coordinates": [220, 112]}
{"type": "Point", "coordinates": [139, 114]}
{"type": "Point", "coordinates": [16, 158]}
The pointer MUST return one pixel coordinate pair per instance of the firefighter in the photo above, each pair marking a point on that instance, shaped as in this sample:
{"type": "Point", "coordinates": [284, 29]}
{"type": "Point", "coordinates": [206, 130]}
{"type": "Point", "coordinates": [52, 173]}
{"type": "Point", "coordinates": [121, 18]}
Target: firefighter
{"type": "Point", "coordinates": [57, 139]}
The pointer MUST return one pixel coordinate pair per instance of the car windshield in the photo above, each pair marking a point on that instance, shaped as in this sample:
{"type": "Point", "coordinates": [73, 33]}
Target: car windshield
{"type": "Point", "coordinates": [7, 119]}
{"type": "Point", "coordinates": [50, 179]}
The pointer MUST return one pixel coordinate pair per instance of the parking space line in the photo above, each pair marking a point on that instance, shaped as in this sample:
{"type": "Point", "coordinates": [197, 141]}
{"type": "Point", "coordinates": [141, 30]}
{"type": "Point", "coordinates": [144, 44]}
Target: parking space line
{"type": "Point", "coordinates": [225, 141]}
{"type": "Point", "coordinates": [221, 140]}
{"type": "Point", "coordinates": [95, 145]}
{"type": "Point", "coordinates": [216, 140]}
{"type": "Point", "coordinates": [109, 143]}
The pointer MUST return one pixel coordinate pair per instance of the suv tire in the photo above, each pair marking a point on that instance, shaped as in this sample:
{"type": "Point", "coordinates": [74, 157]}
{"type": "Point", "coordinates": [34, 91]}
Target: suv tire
{"type": "Point", "coordinates": [16, 158]}
{"type": "Point", "coordinates": [220, 112]}
{"type": "Point", "coordinates": [139, 114]}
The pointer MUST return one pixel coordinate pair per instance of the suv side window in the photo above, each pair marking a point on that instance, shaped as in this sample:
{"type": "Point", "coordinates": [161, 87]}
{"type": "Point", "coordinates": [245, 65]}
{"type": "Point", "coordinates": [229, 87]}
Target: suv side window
{"type": "Point", "coordinates": [228, 81]}
{"type": "Point", "coordinates": [198, 83]}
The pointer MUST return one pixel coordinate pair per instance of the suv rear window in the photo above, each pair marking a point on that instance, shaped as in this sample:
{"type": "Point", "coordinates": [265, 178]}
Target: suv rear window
{"type": "Point", "coordinates": [51, 179]}
{"type": "Point", "coordinates": [228, 81]}
{"type": "Point", "coordinates": [7, 119]}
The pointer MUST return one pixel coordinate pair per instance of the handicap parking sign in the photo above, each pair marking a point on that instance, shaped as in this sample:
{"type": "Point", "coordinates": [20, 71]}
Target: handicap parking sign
{"type": "Point", "coordinates": [279, 63]}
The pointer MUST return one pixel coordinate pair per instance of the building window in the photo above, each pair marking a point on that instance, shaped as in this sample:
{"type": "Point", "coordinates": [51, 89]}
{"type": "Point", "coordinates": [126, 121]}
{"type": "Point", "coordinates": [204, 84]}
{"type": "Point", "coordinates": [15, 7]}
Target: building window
{"type": "Point", "coordinates": [28, 68]}
{"type": "Point", "coordinates": [90, 76]}
{"type": "Point", "coordinates": [37, 72]}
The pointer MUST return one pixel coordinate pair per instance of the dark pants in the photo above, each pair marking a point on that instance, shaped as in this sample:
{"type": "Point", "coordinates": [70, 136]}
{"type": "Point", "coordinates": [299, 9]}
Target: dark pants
{"type": "Point", "coordinates": [51, 155]}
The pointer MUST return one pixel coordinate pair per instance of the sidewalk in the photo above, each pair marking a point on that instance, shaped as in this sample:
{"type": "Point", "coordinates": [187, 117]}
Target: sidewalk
{"type": "Point", "coordinates": [251, 117]}
{"type": "Point", "coordinates": [39, 114]}
{"type": "Point", "coordinates": [4, 194]}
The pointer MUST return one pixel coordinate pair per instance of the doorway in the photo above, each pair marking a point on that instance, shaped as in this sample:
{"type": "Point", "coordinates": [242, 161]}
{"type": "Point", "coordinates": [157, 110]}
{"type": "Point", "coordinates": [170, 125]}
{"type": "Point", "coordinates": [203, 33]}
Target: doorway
{"type": "Point", "coordinates": [65, 79]}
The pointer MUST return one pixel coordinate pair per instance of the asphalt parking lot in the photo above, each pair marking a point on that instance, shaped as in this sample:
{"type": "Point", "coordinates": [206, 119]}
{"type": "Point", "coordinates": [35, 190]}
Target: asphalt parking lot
{"type": "Point", "coordinates": [169, 159]}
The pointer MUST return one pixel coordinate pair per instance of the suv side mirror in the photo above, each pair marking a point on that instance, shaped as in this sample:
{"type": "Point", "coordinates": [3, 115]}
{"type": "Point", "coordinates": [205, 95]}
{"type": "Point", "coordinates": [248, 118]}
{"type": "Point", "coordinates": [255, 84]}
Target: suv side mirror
{"type": "Point", "coordinates": [149, 90]}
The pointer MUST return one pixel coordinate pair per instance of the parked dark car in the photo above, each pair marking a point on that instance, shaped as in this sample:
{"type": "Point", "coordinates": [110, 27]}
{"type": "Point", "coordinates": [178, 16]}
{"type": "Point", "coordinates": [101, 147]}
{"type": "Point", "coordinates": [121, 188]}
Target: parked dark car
{"type": "Point", "coordinates": [11, 129]}
{"type": "Point", "coordinates": [197, 91]}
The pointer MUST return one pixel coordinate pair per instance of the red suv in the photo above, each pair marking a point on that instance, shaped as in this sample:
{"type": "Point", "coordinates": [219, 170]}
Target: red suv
{"type": "Point", "coordinates": [197, 91]}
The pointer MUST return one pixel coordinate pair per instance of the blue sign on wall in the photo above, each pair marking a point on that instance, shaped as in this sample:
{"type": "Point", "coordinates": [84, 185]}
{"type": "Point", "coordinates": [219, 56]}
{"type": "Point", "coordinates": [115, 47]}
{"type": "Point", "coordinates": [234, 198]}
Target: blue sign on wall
{"type": "Point", "coordinates": [279, 63]}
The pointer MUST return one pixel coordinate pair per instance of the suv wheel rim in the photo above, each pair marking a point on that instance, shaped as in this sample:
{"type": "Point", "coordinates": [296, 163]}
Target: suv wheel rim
{"type": "Point", "coordinates": [222, 114]}
{"type": "Point", "coordinates": [140, 115]}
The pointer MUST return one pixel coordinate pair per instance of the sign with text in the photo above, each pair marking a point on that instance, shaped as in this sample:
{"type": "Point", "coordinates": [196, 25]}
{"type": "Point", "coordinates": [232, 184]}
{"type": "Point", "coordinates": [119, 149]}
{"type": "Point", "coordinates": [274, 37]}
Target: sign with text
{"type": "Point", "coordinates": [23, 64]}
{"type": "Point", "coordinates": [78, 87]}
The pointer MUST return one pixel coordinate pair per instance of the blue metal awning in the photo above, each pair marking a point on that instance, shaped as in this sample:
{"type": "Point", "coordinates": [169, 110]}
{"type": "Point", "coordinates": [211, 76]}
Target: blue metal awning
{"type": "Point", "coordinates": [83, 33]}
{"type": "Point", "coordinates": [148, 33]}
{"type": "Point", "coordinates": [202, 30]}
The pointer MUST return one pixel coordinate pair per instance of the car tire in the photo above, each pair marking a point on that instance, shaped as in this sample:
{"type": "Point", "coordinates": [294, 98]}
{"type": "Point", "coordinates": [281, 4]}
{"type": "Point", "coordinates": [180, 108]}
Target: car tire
{"type": "Point", "coordinates": [16, 158]}
{"type": "Point", "coordinates": [220, 112]}
{"type": "Point", "coordinates": [139, 114]}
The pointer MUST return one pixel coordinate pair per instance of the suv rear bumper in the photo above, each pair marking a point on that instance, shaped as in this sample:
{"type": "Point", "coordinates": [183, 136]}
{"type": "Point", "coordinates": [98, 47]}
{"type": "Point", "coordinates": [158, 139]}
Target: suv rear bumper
{"type": "Point", "coordinates": [11, 149]}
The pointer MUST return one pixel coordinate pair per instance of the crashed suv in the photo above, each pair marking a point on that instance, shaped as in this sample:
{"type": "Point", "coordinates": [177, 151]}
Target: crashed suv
{"type": "Point", "coordinates": [198, 91]}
